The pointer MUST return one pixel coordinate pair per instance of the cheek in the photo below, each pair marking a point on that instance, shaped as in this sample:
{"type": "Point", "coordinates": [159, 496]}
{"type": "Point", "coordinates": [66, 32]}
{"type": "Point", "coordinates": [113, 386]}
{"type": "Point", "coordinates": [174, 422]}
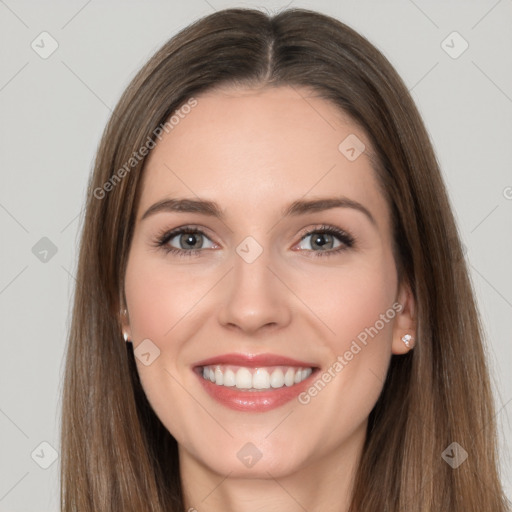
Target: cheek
{"type": "Point", "coordinates": [157, 301]}
{"type": "Point", "coordinates": [158, 297]}
{"type": "Point", "coordinates": [357, 306]}
{"type": "Point", "coordinates": [358, 309]}
{"type": "Point", "coordinates": [353, 301]}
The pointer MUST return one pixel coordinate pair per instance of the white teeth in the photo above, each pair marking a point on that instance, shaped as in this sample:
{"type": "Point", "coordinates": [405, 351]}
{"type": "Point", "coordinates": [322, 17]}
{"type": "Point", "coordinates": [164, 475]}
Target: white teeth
{"type": "Point", "coordinates": [277, 378]}
{"type": "Point", "coordinates": [229, 378]}
{"type": "Point", "coordinates": [243, 379]}
{"type": "Point", "coordinates": [261, 379]}
{"type": "Point", "coordinates": [289, 377]}
{"type": "Point", "coordinates": [255, 378]}
{"type": "Point", "coordinates": [219, 378]}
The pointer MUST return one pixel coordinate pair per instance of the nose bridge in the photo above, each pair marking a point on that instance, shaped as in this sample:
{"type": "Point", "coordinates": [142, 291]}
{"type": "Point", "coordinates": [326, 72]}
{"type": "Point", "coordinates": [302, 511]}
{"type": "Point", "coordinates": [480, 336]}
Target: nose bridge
{"type": "Point", "coordinates": [254, 296]}
{"type": "Point", "coordinates": [251, 263]}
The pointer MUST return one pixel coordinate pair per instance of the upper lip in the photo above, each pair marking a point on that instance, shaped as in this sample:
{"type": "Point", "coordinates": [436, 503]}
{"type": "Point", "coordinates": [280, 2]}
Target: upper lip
{"type": "Point", "coordinates": [254, 360]}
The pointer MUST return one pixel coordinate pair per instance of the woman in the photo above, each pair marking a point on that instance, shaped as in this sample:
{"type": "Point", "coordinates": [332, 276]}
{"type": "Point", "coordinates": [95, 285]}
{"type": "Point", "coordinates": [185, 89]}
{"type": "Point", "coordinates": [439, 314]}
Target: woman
{"type": "Point", "coordinates": [272, 310]}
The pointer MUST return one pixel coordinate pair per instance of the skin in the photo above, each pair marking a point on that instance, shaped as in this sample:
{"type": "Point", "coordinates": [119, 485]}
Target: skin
{"type": "Point", "coordinates": [254, 151]}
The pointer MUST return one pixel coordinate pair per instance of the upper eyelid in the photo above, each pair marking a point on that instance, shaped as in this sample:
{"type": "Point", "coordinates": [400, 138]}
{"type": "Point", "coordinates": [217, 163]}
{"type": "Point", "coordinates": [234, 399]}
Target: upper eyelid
{"type": "Point", "coordinates": [171, 233]}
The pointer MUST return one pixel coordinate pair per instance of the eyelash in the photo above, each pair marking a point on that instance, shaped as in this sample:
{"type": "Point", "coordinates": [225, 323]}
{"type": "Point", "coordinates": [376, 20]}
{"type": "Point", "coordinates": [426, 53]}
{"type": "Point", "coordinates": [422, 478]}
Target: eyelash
{"type": "Point", "coordinates": [347, 240]}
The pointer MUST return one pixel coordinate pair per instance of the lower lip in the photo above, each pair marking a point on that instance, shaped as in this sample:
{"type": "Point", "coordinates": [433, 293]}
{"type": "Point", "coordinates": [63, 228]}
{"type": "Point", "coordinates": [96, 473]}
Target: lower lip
{"type": "Point", "coordinates": [253, 401]}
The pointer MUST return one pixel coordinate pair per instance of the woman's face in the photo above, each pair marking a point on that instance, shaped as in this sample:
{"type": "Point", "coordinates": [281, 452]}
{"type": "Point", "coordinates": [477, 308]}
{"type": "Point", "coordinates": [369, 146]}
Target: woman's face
{"type": "Point", "coordinates": [245, 297]}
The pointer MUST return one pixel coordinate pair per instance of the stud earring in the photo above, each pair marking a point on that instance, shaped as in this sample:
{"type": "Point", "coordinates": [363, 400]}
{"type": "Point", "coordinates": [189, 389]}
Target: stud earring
{"type": "Point", "coordinates": [407, 338]}
{"type": "Point", "coordinates": [125, 336]}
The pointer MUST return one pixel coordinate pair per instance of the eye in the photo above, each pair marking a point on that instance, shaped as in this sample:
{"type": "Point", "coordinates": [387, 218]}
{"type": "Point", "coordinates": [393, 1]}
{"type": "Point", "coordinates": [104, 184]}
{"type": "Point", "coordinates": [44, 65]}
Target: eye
{"type": "Point", "coordinates": [188, 239]}
{"type": "Point", "coordinates": [324, 238]}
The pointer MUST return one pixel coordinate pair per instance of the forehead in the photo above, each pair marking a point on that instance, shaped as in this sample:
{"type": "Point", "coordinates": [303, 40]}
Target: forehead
{"type": "Point", "coordinates": [245, 148]}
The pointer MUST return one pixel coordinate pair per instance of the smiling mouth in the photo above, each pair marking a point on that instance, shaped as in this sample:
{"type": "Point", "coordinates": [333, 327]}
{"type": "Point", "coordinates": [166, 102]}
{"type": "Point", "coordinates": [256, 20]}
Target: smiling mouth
{"type": "Point", "coordinates": [242, 378]}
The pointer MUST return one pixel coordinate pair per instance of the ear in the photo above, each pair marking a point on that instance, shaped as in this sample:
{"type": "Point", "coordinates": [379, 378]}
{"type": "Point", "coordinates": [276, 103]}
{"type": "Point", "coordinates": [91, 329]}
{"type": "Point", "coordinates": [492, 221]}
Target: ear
{"type": "Point", "coordinates": [405, 321]}
{"type": "Point", "coordinates": [125, 325]}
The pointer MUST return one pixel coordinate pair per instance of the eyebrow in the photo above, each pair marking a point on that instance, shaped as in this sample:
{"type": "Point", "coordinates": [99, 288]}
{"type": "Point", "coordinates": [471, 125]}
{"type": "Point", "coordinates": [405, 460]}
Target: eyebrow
{"type": "Point", "coordinates": [299, 207]}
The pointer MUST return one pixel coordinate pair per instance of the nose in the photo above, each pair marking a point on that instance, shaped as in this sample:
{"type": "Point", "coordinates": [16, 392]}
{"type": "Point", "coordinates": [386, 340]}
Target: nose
{"type": "Point", "coordinates": [255, 296]}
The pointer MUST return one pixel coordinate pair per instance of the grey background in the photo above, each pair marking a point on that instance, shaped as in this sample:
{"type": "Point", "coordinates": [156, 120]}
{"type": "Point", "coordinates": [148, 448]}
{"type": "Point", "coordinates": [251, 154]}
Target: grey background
{"type": "Point", "coordinates": [53, 112]}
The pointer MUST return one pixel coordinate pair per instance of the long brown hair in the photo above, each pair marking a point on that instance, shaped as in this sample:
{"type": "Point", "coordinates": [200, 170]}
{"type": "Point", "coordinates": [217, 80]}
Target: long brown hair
{"type": "Point", "coordinates": [116, 454]}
